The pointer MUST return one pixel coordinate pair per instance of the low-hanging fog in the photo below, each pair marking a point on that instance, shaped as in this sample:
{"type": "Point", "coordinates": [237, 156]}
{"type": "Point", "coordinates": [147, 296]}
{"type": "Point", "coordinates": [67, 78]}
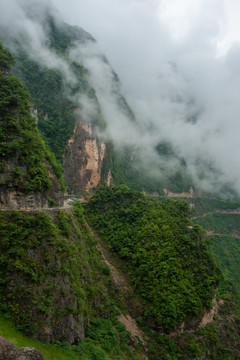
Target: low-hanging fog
{"type": "Point", "coordinates": [179, 67]}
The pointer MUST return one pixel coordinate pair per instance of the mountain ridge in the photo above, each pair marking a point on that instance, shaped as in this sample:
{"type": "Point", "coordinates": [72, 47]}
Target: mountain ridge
{"type": "Point", "coordinates": [53, 281]}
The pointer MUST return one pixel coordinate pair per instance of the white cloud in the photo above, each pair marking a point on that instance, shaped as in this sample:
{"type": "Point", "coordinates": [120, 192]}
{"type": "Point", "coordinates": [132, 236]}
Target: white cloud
{"type": "Point", "coordinates": [178, 60]}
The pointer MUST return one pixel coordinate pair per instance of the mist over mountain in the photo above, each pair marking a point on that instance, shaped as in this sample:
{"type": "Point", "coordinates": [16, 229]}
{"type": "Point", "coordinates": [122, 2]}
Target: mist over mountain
{"type": "Point", "coordinates": [177, 60]}
{"type": "Point", "coordinates": [183, 92]}
{"type": "Point", "coordinates": [98, 269]}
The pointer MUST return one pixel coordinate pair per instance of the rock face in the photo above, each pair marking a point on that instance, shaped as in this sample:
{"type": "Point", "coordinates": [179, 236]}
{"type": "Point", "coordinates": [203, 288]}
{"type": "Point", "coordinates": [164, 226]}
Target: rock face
{"type": "Point", "coordinates": [83, 160]}
{"type": "Point", "coordinates": [12, 196]}
{"type": "Point", "coordinates": [69, 328]}
{"type": "Point", "coordinates": [182, 194]}
{"type": "Point", "coordinates": [27, 178]}
{"type": "Point", "coordinates": [8, 351]}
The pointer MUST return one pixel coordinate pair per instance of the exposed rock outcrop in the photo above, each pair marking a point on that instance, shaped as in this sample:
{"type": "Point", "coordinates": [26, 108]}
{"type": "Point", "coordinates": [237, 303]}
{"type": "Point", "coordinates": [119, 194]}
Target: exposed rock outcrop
{"type": "Point", "coordinates": [206, 318]}
{"type": "Point", "coordinates": [14, 196]}
{"type": "Point", "coordinates": [83, 160]}
{"type": "Point", "coordinates": [8, 351]}
{"type": "Point", "coordinates": [182, 194]}
{"type": "Point", "coordinates": [69, 328]}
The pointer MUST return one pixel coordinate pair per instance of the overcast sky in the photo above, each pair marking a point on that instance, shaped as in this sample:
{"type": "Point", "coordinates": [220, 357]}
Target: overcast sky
{"type": "Point", "coordinates": [179, 65]}
{"type": "Point", "coordinates": [130, 31]}
{"type": "Point", "coordinates": [176, 59]}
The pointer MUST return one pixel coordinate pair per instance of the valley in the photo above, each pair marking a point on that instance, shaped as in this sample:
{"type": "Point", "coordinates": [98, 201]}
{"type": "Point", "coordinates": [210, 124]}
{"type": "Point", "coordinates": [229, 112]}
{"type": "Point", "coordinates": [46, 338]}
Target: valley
{"type": "Point", "coordinates": [111, 273]}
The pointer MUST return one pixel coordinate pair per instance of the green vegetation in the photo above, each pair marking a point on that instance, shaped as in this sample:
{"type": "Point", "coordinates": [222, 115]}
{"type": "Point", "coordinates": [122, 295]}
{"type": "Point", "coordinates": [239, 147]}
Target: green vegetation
{"type": "Point", "coordinates": [167, 259]}
{"type": "Point", "coordinates": [6, 59]}
{"type": "Point", "coordinates": [203, 205]}
{"type": "Point", "coordinates": [29, 247]}
{"type": "Point", "coordinates": [50, 271]}
{"type": "Point", "coordinates": [220, 223]}
{"type": "Point", "coordinates": [20, 141]}
{"type": "Point", "coordinates": [218, 340]}
{"type": "Point", "coordinates": [126, 168]}
{"type": "Point", "coordinates": [93, 347]}
{"type": "Point", "coordinates": [227, 250]}
{"type": "Point", "coordinates": [55, 110]}
{"type": "Point", "coordinates": [224, 232]}
{"type": "Point", "coordinates": [54, 93]}
{"type": "Point", "coordinates": [51, 352]}
{"type": "Point", "coordinates": [50, 268]}
{"type": "Point", "coordinates": [157, 239]}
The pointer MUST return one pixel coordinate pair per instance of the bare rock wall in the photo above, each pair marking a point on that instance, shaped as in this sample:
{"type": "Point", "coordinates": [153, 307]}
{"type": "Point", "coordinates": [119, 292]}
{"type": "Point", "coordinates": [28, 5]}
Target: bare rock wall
{"type": "Point", "coordinates": [83, 159]}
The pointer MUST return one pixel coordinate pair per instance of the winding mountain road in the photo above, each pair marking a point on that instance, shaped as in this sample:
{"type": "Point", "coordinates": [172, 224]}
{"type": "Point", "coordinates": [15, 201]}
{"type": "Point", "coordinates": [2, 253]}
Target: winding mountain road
{"type": "Point", "coordinates": [230, 212]}
{"type": "Point", "coordinates": [66, 206]}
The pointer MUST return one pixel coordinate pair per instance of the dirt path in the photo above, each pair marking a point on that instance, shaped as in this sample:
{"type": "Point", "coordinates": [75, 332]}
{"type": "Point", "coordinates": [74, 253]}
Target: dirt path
{"type": "Point", "coordinates": [212, 233]}
{"type": "Point", "coordinates": [39, 209]}
{"type": "Point", "coordinates": [233, 212]}
{"type": "Point", "coordinates": [118, 278]}
{"type": "Point", "coordinates": [66, 206]}
{"type": "Point", "coordinates": [126, 290]}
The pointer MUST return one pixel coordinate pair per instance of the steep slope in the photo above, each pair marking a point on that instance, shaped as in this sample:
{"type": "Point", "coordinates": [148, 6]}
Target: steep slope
{"type": "Point", "coordinates": [29, 175]}
{"type": "Point", "coordinates": [59, 94]}
{"type": "Point", "coordinates": [53, 282]}
{"type": "Point", "coordinates": [41, 272]}
{"type": "Point", "coordinates": [67, 100]}
{"type": "Point", "coordinates": [159, 240]}
{"type": "Point", "coordinates": [173, 272]}
{"type": "Point", "coordinates": [83, 159]}
{"type": "Point", "coordinates": [56, 287]}
{"type": "Point", "coordinates": [221, 219]}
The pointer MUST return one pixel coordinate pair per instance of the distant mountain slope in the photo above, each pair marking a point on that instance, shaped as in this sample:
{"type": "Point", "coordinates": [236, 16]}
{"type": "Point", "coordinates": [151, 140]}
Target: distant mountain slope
{"type": "Point", "coordinates": [64, 93]}
{"type": "Point", "coordinates": [221, 219]}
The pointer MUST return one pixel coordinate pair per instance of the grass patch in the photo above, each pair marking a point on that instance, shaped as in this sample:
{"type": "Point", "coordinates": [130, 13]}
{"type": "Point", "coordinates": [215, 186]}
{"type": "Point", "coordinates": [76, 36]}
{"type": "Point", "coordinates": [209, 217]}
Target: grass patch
{"type": "Point", "coordinates": [51, 352]}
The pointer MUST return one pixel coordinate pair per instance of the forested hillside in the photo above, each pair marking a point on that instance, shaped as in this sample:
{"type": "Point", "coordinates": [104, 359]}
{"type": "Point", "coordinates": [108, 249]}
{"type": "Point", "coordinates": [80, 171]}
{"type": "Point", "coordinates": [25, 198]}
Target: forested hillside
{"type": "Point", "coordinates": [56, 288]}
{"type": "Point", "coordinates": [124, 276]}
{"type": "Point", "coordinates": [26, 164]}
{"type": "Point", "coordinates": [221, 219]}
{"type": "Point", "coordinates": [158, 239]}
{"type": "Point", "coordinates": [54, 97]}
{"type": "Point", "coordinates": [173, 271]}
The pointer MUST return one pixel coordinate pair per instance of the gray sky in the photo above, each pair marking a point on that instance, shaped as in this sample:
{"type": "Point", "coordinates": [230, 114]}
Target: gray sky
{"type": "Point", "coordinates": [179, 65]}
{"type": "Point", "coordinates": [132, 30]}
{"type": "Point", "coordinates": [176, 59]}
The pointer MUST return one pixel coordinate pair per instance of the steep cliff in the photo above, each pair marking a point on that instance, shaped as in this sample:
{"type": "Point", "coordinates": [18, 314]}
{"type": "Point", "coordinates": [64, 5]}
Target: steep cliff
{"type": "Point", "coordinates": [62, 83]}
{"type": "Point", "coordinates": [57, 93]}
{"type": "Point", "coordinates": [29, 175]}
{"type": "Point", "coordinates": [40, 274]}
{"type": "Point", "coordinates": [54, 283]}
{"type": "Point", "coordinates": [15, 195]}
{"type": "Point", "coordinates": [83, 159]}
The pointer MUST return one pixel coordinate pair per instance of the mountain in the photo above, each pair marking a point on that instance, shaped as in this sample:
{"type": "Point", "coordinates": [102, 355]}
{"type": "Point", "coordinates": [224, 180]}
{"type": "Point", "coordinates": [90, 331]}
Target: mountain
{"type": "Point", "coordinates": [74, 119]}
{"type": "Point", "coordinates": [125, 276]}
{"type": "Point", "coordinates": [53, 281]}
{"type": "Point", "coordinates": [29, 174]}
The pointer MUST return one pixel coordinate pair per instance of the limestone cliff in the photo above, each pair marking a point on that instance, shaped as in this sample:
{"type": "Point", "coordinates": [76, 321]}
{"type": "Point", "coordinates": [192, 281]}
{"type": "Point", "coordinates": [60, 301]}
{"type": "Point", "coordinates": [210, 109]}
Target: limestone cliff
{"type": "Point", "coordinates": [83, 159]}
